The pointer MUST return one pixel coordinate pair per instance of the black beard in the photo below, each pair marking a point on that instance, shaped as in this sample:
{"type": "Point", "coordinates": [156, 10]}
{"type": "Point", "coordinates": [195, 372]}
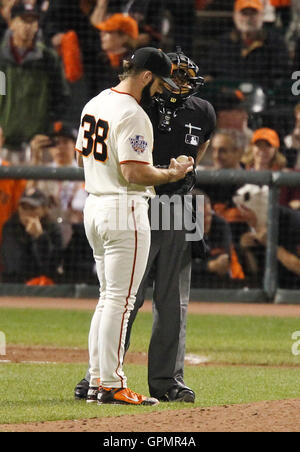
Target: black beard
{"type": "Point", "coordinates": [146, 99]}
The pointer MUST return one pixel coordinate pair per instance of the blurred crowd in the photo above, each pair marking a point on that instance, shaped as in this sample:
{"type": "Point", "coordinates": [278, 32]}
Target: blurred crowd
{"type": "Point", "coordinates": [58, 54]}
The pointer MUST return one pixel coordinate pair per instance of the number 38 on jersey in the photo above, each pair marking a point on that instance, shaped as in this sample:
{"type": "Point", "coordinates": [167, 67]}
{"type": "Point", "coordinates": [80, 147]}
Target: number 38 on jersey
{"type": "Point", "coordinates": [95, 136]}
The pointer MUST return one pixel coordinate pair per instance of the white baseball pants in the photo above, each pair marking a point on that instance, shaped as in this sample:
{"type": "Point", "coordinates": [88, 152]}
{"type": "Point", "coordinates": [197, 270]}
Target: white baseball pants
{"type": "Point", "coordinates": [118, 230]}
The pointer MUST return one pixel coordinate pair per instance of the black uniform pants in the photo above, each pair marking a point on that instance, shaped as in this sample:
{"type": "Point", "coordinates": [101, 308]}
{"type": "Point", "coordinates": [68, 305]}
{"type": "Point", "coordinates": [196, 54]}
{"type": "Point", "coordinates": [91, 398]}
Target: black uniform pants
{"type": "Point", "coordinates": [170, 265]}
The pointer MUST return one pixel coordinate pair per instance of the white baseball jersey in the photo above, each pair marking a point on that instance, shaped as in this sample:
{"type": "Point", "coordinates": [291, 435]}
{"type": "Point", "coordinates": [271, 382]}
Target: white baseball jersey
{"type": "Point", "coordinates": [114, 129]}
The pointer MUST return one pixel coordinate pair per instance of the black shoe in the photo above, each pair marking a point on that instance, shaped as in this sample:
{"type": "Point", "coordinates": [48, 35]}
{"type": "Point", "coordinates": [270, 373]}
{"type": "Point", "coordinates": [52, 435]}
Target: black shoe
{"type": "Point", "coordinates": [178, 394]}
{"type": "Point", "coordinates": [81, 390]}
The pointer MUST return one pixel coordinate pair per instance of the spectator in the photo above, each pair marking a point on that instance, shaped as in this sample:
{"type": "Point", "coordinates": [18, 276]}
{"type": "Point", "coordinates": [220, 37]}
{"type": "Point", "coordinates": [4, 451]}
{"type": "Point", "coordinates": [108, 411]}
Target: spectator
{"type": "Point", "coordinates": [264, 153]}
{"type": "Point", "coordinates": [269, 14]}
{"type": "Point", "coordinates": [221, 268]}
{"type": "Point", "coordinates": [214, 5]}
{"type": "Point", "coordinates": [212, 23]}
{"type": "Point", "coordinates": [57, 151]}
{"type": "Point", "coordinates": [253, 244]}
{"type": "Point", "coordinates": [297, 55]}
{"type": "Point", "coordinates": [283, 12]}
{"type": "Point", "coordinates": [10, 192]}
{"type": "Point", "coordinates": [5, 7]}
{"type": "Point", "coordinates": [227, 147]}
{"type": "Point", "coordinates": [60, 145]}
{"type": "Point", "coordinates": [147, 13]}
{"type": "Point", "coordinates": [292, 142]}
{"type": "Point", "coordinates": [119, 34]}
{"type": "Point", "coordinates": [232, 114]}
{"type": "Point", "coordinates": [183, 18]}
{"type": "Point", "coordinates": [65, 15]}
{"type": "Point", "coordinates": [36, 90]}
{"type": "Point", "coordinates": [31, 246]}
{"type": "Point", "coordinates": [293, 32]}
{"type": "Point", "coordinates": [68, 29]}
{"type": "Point", "coordinates": [232, 111]}
{"type": "Point", "coordinates": [249, 53]}
{"type": "Point", "coordinates": [290, 196]}
{"type": "Point", "coordinates": [67, 199]}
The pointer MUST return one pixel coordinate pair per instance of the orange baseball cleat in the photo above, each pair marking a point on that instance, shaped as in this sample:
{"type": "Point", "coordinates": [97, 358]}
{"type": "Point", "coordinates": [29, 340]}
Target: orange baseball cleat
{"type": "Point", "coordinates": [123, 396]}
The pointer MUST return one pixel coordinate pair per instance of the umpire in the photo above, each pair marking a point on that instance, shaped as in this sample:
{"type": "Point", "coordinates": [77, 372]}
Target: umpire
{"type": "Point", "coordinates": [182, 124]}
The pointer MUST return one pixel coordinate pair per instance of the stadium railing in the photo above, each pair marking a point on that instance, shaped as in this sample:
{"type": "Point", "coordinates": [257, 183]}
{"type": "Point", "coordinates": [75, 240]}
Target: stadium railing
{"type": "Point", "coordinates": [268, 293]}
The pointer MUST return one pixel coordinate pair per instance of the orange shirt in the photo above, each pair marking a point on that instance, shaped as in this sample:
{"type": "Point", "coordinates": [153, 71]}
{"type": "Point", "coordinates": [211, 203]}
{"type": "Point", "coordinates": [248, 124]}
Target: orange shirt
{"type": "Point", "coordinates": [280, 3]}
{"type": "Point", "coordinates": [230, 214]}
{"type": "Point", "coordinates": [10, 193]}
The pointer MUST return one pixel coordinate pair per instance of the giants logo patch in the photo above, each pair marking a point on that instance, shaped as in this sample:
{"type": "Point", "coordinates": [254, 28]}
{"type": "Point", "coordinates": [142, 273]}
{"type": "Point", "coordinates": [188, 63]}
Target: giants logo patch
{"type": "Point", "coordinates": [138, 144]}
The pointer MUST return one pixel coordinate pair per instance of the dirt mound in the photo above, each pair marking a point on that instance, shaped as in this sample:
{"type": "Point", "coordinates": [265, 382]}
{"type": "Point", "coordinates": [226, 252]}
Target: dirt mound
{"type": "Point", "coordinates": [45, 355]}
{"type": "Point", "coordinates": [272, 416]}
{"type": "Point", "coordinates": [38, 354]}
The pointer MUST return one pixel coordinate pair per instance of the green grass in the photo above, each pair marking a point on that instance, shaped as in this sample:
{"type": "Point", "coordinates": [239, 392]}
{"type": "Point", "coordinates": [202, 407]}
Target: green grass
{"type": "Point", "coordinates": [60, 328]}
{"type": "Point", "coordinates": [227, 339]}
{"type": "Point", "coordinates": [39, 392]}
{"type": "Point", "coordinates": [247, 340]}
{"type": "Point", "coordinates": [45, 392]}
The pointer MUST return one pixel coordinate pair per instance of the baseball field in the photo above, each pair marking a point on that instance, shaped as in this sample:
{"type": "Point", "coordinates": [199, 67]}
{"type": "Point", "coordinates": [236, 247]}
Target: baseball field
{"type": "Point", "coordinates": [243, 362]}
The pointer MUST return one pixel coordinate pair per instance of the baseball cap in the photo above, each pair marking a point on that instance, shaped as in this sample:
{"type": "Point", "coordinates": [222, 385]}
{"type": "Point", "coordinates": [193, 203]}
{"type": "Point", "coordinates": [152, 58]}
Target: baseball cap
{"type": "Point", "coordinates": [61, 129]}
{"type": "Point", "coordinates": [34, 197]}
{"type": "Point", "coordinates": [243, 4]}
{"type": "Point", "coordinates": [269, 135]}
{"type": "Point", "coordinates": [120, 22]}
{"type": "Point", "coordinates": [23, 9]}
{"type": "Point", "coordinates": [156, 61]}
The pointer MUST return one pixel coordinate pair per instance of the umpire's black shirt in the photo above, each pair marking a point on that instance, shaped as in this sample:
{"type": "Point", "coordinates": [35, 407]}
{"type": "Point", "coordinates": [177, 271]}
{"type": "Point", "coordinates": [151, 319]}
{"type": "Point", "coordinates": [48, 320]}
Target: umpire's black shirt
{"type": "Point", "coordinates": [192, 126]}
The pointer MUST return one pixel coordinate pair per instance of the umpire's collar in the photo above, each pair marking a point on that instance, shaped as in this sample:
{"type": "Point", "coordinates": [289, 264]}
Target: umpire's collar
{"type": "Point", "coordinates": [189, 103]}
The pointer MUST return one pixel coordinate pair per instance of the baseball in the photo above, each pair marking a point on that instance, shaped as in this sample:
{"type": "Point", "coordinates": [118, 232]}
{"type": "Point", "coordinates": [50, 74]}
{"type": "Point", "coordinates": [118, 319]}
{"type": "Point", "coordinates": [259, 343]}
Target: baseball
{"type": "Point", "coordinates": [182, 158]}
